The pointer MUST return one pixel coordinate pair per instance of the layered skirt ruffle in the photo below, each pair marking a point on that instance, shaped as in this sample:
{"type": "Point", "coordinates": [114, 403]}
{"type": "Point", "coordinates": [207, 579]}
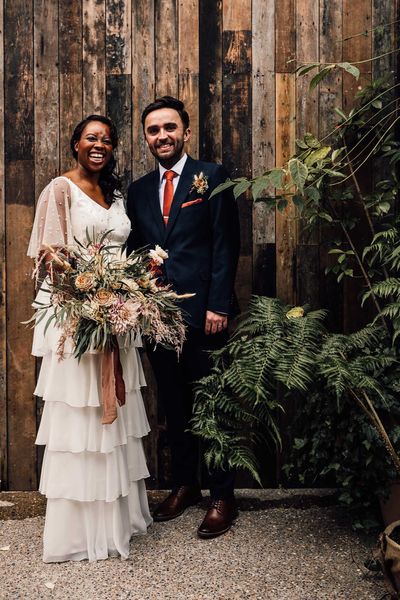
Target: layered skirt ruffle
{"type": "Point", "coordinates": [92, 474]}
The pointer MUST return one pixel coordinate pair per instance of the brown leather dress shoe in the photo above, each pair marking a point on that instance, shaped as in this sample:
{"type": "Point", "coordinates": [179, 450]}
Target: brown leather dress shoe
{"type": "Point", "coordinates": [177, 502]}
{"type": "Point", "coordinates": [219, 518]}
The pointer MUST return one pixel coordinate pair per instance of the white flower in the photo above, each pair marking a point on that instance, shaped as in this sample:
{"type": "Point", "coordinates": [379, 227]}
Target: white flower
{"type": "Point", "coordinates": [129, 284]}
{"type": "Point", "coordinates": [158, 255]}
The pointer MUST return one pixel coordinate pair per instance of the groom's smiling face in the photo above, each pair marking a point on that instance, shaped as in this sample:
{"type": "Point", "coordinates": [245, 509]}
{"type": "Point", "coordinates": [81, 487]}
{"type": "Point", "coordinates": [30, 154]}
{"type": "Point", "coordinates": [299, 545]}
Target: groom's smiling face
{"type": "Point", "coordinates": [166, 135]}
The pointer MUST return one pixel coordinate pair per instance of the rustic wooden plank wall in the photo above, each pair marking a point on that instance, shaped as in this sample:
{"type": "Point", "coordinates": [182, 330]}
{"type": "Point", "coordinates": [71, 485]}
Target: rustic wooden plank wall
{"type": "Point", "coordinates": [233, 63]}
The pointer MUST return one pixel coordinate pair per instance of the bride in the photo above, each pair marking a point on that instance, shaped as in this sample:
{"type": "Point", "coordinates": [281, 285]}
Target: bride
{"type": "Point", "coordinates": [92, 474]}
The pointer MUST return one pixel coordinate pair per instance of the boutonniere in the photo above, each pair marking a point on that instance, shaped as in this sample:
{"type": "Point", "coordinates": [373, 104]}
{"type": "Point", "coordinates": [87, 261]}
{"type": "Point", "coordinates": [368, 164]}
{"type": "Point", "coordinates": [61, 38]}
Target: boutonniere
{"type": "Point", "coordinates": [200, 183]}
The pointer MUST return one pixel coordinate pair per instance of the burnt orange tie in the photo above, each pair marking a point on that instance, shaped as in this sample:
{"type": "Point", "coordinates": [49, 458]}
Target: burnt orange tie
{"type": "Point", "coordinates": [168, 194]}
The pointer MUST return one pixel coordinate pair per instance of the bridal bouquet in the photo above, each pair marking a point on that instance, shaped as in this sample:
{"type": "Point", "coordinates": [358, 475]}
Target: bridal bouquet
{"type": "Point", "coordinates": [97, 292]}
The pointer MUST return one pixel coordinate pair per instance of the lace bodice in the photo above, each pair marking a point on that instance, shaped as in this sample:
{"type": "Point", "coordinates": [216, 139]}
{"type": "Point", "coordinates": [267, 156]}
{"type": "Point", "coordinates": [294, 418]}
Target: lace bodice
{"type": "Point", "coordinates": [65, 212]}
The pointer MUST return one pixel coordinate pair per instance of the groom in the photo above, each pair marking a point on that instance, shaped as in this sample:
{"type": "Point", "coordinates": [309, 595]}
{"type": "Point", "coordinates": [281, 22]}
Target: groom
{"type": "Point", "coordinates": [171, 207]}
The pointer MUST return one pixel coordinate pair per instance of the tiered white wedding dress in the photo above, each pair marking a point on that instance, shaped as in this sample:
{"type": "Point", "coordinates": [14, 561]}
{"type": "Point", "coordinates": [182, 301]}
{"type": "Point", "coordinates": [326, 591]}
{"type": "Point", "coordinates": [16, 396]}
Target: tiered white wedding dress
{"type": "Point", "coordinates": [92, 474]}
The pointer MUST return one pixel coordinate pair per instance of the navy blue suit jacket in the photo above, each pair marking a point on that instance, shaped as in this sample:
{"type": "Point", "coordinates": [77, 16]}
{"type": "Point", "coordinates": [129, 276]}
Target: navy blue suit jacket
{"type": "Point", "coordinates": [202, 238]}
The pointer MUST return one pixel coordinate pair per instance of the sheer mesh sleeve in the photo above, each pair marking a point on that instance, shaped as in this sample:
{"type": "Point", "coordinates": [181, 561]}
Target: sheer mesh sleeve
{"type": "Point", "coordinates": [52, 224]}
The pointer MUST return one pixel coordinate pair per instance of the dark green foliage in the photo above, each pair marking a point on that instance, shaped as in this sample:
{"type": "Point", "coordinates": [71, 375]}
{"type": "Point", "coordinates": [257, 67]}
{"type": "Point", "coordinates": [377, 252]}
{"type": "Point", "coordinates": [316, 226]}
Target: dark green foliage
{"type": "Point", "coordinates": [337, 437]}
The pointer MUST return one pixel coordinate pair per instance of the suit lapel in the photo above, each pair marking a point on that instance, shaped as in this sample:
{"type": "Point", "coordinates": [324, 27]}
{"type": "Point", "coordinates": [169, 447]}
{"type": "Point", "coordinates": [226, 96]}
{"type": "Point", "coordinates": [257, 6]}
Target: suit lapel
{"type": "Point", "coordinates": [154, 201]}
{"type": "Point", "coordinates": [182, 191]}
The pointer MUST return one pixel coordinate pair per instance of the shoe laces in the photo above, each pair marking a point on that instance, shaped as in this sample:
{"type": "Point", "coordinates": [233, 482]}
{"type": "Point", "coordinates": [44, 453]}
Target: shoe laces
{"type": "Point", "coordinates": [217, 504]}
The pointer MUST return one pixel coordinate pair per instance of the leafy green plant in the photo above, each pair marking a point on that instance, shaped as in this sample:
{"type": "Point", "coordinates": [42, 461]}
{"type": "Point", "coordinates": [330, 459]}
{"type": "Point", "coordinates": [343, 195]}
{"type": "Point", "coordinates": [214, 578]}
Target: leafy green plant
{"type": "Point", "coordinates": [347, 385]}
{"type": "Point", "coordinates": [276, 346]}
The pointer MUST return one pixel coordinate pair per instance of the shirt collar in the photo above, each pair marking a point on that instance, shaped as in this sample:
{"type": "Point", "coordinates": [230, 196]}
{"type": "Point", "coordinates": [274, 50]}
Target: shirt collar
{"type": "Point", "coordinates": [177, 168]}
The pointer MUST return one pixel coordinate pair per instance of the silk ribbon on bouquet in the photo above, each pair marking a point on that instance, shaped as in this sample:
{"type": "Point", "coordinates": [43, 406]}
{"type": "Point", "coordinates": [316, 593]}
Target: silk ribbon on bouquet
{"type": "Point", "coordinates": [112, 383]}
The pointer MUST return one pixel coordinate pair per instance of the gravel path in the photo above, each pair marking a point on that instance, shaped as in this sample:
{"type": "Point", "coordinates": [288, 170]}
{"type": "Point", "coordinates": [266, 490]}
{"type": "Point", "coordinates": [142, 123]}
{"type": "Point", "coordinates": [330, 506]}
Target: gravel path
{"type": "Point", "coordinates": [271, 554]}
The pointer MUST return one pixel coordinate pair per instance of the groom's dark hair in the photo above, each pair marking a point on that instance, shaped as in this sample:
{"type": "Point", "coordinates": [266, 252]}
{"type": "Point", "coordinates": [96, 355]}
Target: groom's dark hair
{"type": "Point", "coordinates": [167, 102]}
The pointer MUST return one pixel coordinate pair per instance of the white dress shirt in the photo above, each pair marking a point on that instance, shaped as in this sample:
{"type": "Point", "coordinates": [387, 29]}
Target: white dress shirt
{"type": "Point", "coordinates": [177, 168]}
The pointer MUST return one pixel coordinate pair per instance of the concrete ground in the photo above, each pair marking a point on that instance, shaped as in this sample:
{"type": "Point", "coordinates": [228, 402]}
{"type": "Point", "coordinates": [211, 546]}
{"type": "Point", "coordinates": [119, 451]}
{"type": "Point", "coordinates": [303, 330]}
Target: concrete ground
{"type": "Point", "coordinates": [286, 545]}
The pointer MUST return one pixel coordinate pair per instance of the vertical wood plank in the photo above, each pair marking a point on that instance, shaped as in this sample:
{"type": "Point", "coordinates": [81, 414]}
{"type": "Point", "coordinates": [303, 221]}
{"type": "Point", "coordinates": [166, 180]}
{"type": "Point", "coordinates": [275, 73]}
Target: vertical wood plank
{"type": "Point", "coordinates": [236, 131]}
{"type": "Point", "coordinates": [189, 67]}
{"type": "Point", "coordinates": [356, 18]}
{"type": "Point", "coordinates": [19, 186]}
{"type": "Point", "coordinates": [70, 74]}
{"type": "Point", "coordinates": [330, 96]}
{"type": "Point", "coordinates": [166, 35]}
{"type": "Point", "coordinates": [210, 83]}
{"type": "Point", "coordinates": [3, 291]}
{"type": "Point", "coordinates": [143, 79]}
{"type": "Point", "coordinates": [236, 116]}
{"type": "Point", "coordinates": [263, 142]}
{"type": "Point", "coordinates": [46, 93]}
{"type": "Point", "coordinates": [237, 15]}
{"type": "Point", "coordinates": [94, 80]}
{"type": "Point", "coordinates": [236, 123]}
{"type": "Point", "coordinates": [330, 89]}
{"type": "Point", "coordinates": [285, 46]}
{"type": "Point", "coordinates": [119, 81]}
{"type": "Point", "coordinates": [307, 50]}
{"type": "Point", "coordinates": [383, 13]}
{"type": "Point", "coordinates": [285, 222]}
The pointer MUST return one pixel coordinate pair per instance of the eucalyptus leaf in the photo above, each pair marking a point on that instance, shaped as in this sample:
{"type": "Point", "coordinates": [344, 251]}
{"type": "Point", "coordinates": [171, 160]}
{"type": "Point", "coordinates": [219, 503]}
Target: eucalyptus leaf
{"type": "Point", "coordinates": [276, 177]}
{"type": "Point", "coordinates": [259, 185]}
{"type": "Point", "coordinates": [298, 172]}
{"type": "Point", "coordinates": [304, 69]}
{"type": "Point", "coordinates": [311, 141]}
{"type": "Point", "coordinates": [222, 187]}
{"type": "Point", "coordinates": [349, 68]}
{"type": "Point", "coordinates": [320, 76]}
{"type": "Point", "coordinates": [336, 153]}
{"type": "Point", "coordinates": [240, 188]}
{"type": "Point", "coordinates": [317, 155]}
{"type": "Point", "coordinates": [282, 204]}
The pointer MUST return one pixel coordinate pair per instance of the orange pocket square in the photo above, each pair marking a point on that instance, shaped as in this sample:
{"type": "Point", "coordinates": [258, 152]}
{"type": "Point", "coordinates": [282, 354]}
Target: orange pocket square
{"type": "Point", "coordinates": [192, 202]}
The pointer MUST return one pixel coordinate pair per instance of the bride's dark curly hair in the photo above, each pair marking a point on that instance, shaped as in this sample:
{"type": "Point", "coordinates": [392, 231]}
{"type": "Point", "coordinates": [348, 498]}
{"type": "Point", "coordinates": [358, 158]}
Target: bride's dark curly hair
{"type": "Point", "coordinates": [109, 180]}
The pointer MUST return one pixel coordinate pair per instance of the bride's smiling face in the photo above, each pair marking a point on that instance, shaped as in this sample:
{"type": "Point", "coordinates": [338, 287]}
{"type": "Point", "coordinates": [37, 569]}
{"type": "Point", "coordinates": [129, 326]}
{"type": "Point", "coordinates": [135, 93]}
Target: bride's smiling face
{"type": "Point", "coordinates": [94, 148]}
{"type": "Point", "coordinates": [166, 135]}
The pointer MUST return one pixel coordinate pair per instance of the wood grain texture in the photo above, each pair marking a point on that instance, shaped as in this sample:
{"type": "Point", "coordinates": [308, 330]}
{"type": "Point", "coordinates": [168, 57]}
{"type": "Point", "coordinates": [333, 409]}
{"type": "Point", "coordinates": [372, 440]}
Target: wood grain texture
{"type": "Point", "coordinates": [330, 96]}
{"type": "Point", "coordinates": [285, 47]}
{"type": "Point", "coordinates": [166, 35]}
{"type": "Point", "coordinates": [383, 13]}
{"type": "Point", "coordinates": [19, 186]}
{"type": "Point", "coordinates": [330, 49]}
{"type": "Point", "coordinates": [118, 37]}
{"type": "Point", "coordinates": [143, 80]}
{"type": "Point", "coordinates": [286, 228]}
{"type": "Point", "coordinates": [94, 74]}
{"type": "Point", "coordinates": [70, 73]}
{"type": "Point", "coordinates": [3, 289]}
{"type": "Point", "coordinates": [236, 116]}
{"type": "Point", "coordinates": [263, 141]}
{"type": "Point", "coordinates": [357, 18]}
{"type": "Point", "coordinates": [46, 85]}
{"type": "Point", "coordinates": [119, 81]}
{"type": "Point", "coordinates": [210, 80]}
{"type": "Point", "coordinates": [237, 15]}
{"type": "Point", "coordinates": [236, 137]}
{"type": "Point", "coordinates": [188, 58]}
{"type": "Point", "coordinates": [307, 112]}
{"type": "Point", "coordinates": [307, 51]}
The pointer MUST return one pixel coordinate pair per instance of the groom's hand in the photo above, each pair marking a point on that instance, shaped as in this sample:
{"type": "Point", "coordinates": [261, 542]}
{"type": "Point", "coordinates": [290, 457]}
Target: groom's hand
{"type": "Point", "coordinates": [215, 323]}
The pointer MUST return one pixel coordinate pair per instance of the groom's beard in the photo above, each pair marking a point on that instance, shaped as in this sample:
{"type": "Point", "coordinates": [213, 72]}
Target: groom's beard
{"type": "Point", "coordinates": [169, 159]}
